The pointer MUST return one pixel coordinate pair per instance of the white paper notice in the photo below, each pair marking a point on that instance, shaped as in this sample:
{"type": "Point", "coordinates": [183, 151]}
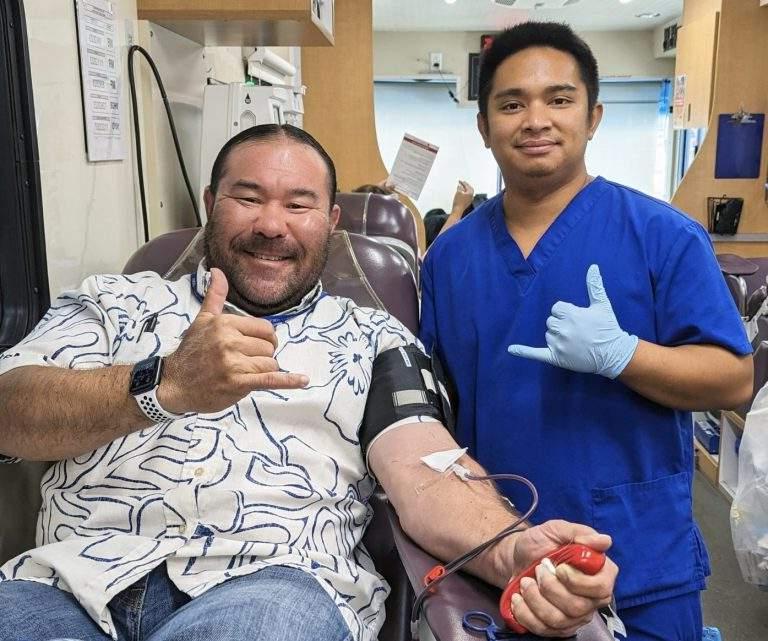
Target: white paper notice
{"type": "Point", "coordinates": [678, 103]}
{"type": "Point", "coordinates": [412, 166]}
{"type": "Point", "coordinates": [101, 79]}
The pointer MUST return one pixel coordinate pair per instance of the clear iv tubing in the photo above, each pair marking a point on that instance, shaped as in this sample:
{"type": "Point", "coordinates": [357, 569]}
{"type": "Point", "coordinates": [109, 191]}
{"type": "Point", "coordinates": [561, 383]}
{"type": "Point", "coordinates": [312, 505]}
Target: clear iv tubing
{"type": "Point", "coordinates": [459, 562]}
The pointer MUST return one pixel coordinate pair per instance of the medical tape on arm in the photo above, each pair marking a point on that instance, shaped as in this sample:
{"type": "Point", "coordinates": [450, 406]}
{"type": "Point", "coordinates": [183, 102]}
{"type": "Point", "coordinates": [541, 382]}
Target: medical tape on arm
{"type": "Point", "coordinates": [444, 463]}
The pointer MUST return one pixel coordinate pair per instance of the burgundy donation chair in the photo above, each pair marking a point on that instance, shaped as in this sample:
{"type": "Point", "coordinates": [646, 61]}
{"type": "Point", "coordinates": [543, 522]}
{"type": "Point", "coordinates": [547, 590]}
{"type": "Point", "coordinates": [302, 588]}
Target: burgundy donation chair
{"type": "Point", "coordinates": [384, 218]}
{"type": "Point", "coordinates": [737, 271]}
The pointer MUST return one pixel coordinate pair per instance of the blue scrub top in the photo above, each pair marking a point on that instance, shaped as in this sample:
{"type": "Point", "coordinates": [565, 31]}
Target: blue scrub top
{"type": "Point", "coordinates": [599, 453]}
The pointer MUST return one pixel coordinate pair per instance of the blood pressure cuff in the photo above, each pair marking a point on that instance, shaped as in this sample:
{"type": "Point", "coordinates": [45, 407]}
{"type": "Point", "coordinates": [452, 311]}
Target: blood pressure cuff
{"type": "Point", "coordinates": [405, 384]}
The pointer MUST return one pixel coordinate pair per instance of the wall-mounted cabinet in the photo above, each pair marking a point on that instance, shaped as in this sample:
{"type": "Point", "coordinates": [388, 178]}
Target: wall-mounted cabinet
{"type": "Point", "coordinates": [695, 67]}
{"type": "Point", "coordinates": [306, 23]}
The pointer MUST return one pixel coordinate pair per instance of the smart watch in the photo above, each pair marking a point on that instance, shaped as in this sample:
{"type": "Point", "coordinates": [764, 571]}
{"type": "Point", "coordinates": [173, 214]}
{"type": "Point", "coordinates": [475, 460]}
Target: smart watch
{"type": "Point", "coordinates": [145, 379]}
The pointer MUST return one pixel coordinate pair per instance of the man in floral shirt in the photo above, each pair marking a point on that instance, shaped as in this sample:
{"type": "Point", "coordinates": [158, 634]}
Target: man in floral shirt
{"type": "Point", "coordinates": [220, 491]}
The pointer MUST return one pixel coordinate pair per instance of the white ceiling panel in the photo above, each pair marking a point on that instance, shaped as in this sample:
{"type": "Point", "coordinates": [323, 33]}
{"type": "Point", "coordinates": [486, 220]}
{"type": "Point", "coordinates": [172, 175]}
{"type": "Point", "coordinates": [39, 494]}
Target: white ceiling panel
{"type": "Point", "coordinates": [486, 15]}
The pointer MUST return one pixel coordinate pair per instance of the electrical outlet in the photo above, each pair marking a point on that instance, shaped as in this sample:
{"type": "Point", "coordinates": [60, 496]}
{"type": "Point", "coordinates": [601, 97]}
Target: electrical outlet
{"type": "Point", "coordinates": [435, 61]}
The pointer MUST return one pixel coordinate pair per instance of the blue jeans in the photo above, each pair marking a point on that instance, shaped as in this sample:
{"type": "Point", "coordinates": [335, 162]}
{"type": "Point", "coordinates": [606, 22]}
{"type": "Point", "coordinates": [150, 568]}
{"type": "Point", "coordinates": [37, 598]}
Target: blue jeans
{"type": "Point", "coordinates": [274, 604]}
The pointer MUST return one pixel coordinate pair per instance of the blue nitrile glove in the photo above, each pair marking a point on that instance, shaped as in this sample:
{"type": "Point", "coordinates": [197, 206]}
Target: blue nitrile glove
{"type": "Point", "coordinates": [584, 339]}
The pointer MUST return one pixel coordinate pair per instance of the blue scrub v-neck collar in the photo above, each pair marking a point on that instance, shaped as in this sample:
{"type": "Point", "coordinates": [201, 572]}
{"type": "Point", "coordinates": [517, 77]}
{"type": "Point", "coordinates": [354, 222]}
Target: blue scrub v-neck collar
{"type": "Point", "coordinates": [524, 270]}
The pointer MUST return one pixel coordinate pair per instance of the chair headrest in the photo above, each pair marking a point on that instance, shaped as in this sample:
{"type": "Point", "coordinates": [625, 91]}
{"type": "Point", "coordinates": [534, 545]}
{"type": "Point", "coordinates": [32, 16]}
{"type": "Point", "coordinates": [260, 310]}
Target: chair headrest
{"type": "Point", "coordinates": [373, 275]}
{"type": "Point", "coordinates": [160, 253]}
{"type": "Point", "coordinates": [736, 265]}
{"type": "Point", "coordinates": [378, 215]}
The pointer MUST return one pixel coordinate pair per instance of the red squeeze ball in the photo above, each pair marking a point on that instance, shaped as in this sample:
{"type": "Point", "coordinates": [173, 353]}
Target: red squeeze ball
{"type": "Point", "coordinates": [578, 556]}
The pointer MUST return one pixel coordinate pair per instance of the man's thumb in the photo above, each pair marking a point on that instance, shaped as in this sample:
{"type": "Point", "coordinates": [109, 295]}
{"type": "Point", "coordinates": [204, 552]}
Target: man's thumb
{"type": "Point", "coordinates": [595, 287]}
{"type": "Point", "coordinates": [213, 303]}
{"type": "Point", "coordinates": [588, 536]}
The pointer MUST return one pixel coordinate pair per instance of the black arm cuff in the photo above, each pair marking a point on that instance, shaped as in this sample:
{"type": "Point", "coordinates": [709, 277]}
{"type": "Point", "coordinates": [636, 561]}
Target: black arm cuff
{"type": "Point", "coordinates": [405, 384]}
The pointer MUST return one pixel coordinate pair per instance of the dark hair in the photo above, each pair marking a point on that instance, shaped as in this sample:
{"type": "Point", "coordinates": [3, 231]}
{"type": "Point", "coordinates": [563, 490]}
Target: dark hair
{"type": "Point", "coordinates": [432, 227]}
{"type": "Point", "coordinates": [435, 212]}
{"type": "Point", "coordinates": [537, 34]}
{"type": "Point", "coordinates": [373, 189]}
{"type": "Point", "coordinates": [261, 133]}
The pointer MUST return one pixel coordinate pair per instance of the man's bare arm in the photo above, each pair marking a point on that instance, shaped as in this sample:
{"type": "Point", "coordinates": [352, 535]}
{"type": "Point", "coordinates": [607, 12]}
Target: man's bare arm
{"type": "Point", "coordinates": [447, 517]}
{"type": "Point", "coordinates": [444, 514]}
{"type": "Point", "coordinates": [49, 413]}
{"type": "Point", "coordinates": [689, 377]}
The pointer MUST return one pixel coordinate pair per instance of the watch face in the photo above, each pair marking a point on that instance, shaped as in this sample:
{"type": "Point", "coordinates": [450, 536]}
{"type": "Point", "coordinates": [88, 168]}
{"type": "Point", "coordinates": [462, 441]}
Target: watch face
{"type": "Point", "coordinates": [145, 376]}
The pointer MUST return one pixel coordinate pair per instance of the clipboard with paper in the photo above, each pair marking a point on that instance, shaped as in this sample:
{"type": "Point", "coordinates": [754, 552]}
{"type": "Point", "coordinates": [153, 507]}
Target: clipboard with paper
{"type": "Point", "coordinates": [739, 145]}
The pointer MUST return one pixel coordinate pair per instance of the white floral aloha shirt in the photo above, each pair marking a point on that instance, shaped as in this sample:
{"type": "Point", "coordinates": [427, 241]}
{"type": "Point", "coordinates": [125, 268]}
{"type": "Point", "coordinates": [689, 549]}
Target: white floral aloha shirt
{"type": "Point", "coordinates": [278, 478]}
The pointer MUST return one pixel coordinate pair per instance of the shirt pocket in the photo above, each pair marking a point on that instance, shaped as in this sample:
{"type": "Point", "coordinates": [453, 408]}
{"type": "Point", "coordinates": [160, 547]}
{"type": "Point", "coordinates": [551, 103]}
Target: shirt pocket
{"type": "Point", "coordinates": [651, 524]}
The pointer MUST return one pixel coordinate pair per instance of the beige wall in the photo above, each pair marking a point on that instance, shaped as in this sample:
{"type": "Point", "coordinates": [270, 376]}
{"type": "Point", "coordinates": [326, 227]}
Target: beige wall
{"type": "Point", "coordinates": [627, 53]}
{"type": "Point", "coordinates": [618, 53]}
{"type": "Point", "coordinates": [694, 10]}
{"type": "Point", "coordinates": [89, 208]}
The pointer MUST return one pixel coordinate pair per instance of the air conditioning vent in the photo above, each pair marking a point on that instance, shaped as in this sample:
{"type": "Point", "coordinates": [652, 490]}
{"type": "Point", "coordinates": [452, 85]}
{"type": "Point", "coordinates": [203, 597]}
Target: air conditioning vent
{"type": "Point", "coordinates": [670, 38]}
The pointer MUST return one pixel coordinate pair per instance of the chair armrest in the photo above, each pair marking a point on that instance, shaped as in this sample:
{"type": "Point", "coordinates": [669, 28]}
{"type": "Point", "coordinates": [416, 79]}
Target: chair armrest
{"type": "Point", "coordinates": [460, 593]}
{"type": "Point", "coordinates": [19, 503]}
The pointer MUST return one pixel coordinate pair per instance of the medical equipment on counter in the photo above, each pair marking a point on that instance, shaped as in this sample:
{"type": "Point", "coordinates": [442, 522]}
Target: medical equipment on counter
{"type": "Point", "coordinates": [274, 97]}
{"type": "Point", "coordinates": [229, 109]}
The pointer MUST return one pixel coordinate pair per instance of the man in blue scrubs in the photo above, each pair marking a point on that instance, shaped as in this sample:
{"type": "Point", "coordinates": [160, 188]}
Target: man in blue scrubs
{"type": "Point", "coordinates": [581, 321]}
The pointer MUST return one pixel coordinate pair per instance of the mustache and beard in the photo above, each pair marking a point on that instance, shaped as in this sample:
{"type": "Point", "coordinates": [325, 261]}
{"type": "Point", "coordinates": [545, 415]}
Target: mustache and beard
{"type": "Point", "coordinates": [256, 293]}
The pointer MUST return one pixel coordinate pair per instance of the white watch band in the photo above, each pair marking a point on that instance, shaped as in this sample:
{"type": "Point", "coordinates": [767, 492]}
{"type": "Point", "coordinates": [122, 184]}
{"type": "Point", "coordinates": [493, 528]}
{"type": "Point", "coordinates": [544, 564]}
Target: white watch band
{"type": "Point", "coordinates": [151, 407]}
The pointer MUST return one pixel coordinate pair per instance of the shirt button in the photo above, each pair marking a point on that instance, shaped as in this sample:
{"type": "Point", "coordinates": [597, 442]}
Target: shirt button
{"type": "Point", "coordinates": [199, 471]}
